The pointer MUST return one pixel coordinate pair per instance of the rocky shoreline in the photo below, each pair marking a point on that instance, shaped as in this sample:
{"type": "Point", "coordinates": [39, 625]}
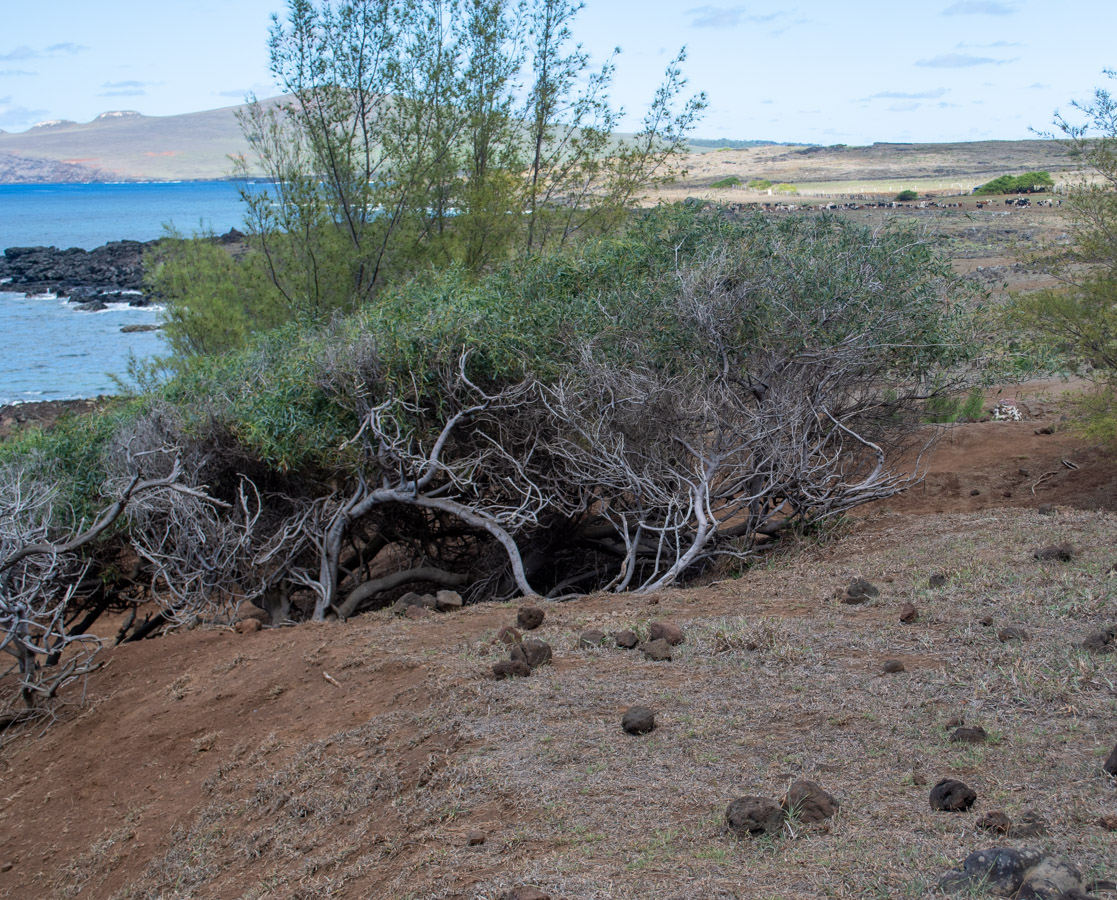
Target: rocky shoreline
{"type": "Point", "coordinates": [111, 273]}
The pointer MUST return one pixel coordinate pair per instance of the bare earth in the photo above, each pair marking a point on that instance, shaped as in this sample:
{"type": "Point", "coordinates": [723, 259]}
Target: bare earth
{"type": "Point", "coordinates": [354, 760]}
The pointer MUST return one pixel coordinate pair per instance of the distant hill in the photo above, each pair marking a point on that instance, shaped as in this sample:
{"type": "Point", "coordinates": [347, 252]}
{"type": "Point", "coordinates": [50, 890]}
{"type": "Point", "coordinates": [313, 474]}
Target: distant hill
{"type": "Point", "coordinates": [124, 146]}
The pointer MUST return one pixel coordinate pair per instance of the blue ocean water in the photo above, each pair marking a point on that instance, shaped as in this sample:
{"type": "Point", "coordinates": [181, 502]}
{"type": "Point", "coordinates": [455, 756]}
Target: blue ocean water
{"type": "Point", "coordinates": [50, 351]}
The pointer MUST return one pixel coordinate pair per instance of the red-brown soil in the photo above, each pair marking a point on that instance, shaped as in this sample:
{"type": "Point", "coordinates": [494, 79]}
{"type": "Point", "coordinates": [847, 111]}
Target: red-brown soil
{"type": "Point", "coordinates": [351, 760]}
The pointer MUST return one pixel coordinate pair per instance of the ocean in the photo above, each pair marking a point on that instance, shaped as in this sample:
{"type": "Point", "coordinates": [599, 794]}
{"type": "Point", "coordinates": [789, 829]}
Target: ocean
{"type": "Point", "coordinates": [48, 350]}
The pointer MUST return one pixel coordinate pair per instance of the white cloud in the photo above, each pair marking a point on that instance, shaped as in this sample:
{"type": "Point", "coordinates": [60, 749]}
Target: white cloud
{"type": "Point", "coordinates": [960, 61]}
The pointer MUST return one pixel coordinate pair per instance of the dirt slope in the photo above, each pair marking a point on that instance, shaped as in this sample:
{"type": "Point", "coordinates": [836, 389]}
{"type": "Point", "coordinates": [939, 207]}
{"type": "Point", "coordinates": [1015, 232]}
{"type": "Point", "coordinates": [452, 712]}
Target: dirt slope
{"type": "Point", "coordinates": [354, 760]}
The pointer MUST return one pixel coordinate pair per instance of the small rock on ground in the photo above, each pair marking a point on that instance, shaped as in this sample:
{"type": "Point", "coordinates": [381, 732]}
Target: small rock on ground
{"type": "Point", "coordinates": [908, 614]}
{"type": "Point", "coordinates": [447, 601]}
{"type": "Point", "coordinates": [950, 795]}
{"type": "Point", "coordinates": [525, 892]}
{"type": "Point", "coordinates": [667, 631]}
{"type": "Point", "coordinates": [892, 667]}
{"type": "Point", "coordinates": [529, 617]}
{"type": "Point", "coordinates": [511, 668]}
{"type": "Point", "coordinates": [1008, 872]}
{"type": "Point", "coordinates": [534, 653]}
{"type": "Point", "coordinates": [638, 720]}
{"type": "Point", "coordinates": [1101, 641]}
{"type": "Point", "coordinates": [247, 626]}
{"type": "Point", "coordinates": [859, 591]}
{"type": "Point", "coordinates": [416, 612]}
{"type": "Point", "coordinates": [594, 637]}
{"type": "Point", "coordinates": [1012, 633]}
{"type": "Point", "coordinates": [809, 803]}
{"type": "Point", "coordinates": [937, 580]}
{"type": "Point", "coordinates": [995, 821]}
{"type": "Point", "coordinates": [1110, 764]}
{"type": "Point", "coordinates": [509, 635]}
{"type": "Point", "coordinates": [969, 735]}
{"type": "Point", "coordinates": [748, 816]}
{"type": "Point", "coordinates": [475, 838]}
{"type": "Point", "coordinates": [1057, 552]}
{"type": "Point", "coordinates": [657, 651]}
{"type": "Point", "coordinates": [626, 640]}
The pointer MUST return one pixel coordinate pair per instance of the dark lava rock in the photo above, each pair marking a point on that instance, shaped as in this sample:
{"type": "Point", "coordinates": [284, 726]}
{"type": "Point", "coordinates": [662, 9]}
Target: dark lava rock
{"type": "Point", "coordinates": [859, 591]}
{"type": "Point", "coordinates": [1031, 824]}
{"type": "Point", "coordinates": [475, 838]}
{"type": "Point", "coordinates": [975, 493]}
{"type": "Point", "coordinates": [114, 267]}
{"type": "Point", "coordinates": [1101, 641]}
{"type": "Point", "coordinates": [908, 614]}
{"type": "Point", "coordinates": [667, 631]}
{"type": "Point", "coordinates": [952, 796]}
{"type": "Point", "coordinates": [508, 635]}
{"type": "Point", "coordinates": [1110, 765]}
{"type": "Point", "coordinates": [1058, 552]}
{"type": "Point", "coordinates": [447, 601]}
{"type": "Point", "coordinates": [995, 821]}
{"type": "Point", "coordinates": [937, 580]}
{"type": "Point", "coordinates": [638, 720]}
{"type": "Point", "coordinates": [969, 735]}
{"type": "Point", "coordinates": [627, 640]}
{"type": "Point", "coordinates": [525, 892]}
{"type": "Point", "coordinates": [892, 667]}
{"type": "Point", "coordinates": [809, 803]}
{"type": "Point", "coordinates": [511, 668]}
{"type": "Point", "coordinates": [416, 612]}
{"type": "Point", "coordinates": [1012, 633]}
{"type": "Point", "coordinates": [748, 816]}
{"type": "Point", "coordinates": [657, 651]}
{"type": "Point", "coordinates": [592, 638]}
{"type": "Point", "coordinates": [534, 653]}
{"type": "Point", "coordinates": [529, 617]}
{"type": "Point", "coordinates": [410, 599]}
{"type": "Point", "coordinates": [136, 329]}
{"type": "Point", "coordinates": [1046, 509]}
{"type": "Point", "coordinates": [985, 620]}
{"type": "Point", "coordinates": [1008, 872]}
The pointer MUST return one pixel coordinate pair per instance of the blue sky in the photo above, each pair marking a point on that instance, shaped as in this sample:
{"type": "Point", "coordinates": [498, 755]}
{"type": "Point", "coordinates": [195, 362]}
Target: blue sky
{"type": "Point", "coordinates": [852, 72]}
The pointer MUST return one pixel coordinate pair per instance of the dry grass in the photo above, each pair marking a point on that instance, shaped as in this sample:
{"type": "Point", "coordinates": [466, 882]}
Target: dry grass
{"type": "Point", "coordinates": [776, 681]}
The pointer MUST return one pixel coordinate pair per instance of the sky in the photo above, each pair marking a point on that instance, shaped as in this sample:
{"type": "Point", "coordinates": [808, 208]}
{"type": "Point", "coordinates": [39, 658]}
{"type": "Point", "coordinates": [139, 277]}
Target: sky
{"type": "Point", "coordinates": [812, 71]}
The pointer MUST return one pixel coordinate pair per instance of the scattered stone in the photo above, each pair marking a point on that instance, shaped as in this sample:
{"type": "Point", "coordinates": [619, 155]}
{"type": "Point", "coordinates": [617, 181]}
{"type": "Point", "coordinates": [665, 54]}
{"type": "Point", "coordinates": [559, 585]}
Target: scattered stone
{"type": "Point", "coordinates": [985, 620]}
{"type": "Point", "coordinates": [509, 635]}
{"type": "Point", "coordinates": [1108, 822]}
{"type": "Point", "coordinates": [529, 617]}
{"type": "Point", "coordinates": [809, 803]}
{"type": "Point", "coordinates": [667, 631]}
{"type": "Point", "coordinates": [748, 816]}
{"type": "Point", "coordinates": [416, 612]}
{"type": "Point", "coordinates": [892, 667]}
{"type": "Point", "coordinates": [975, 493]}
{"type": "Point", "coordinates": [1110, 764]}
{"type": "Point", "coordinates": [410, 599]}
{"type": "Point", "coordinates": [657, 651]}
{"type": "Point", "coordinates": [908, 614]}
{"type": "Point", "coordinates": [475, 838]}
{"type": "Point", "coordinates": [525, 892]}
{"type": "Point", "coordinates": [937, 580]}
{"type": "Point", "coordinates": [969, 735]}
{"type": "Point", "coordinates": [1047, 429]}
{"type": "Point", "coordinates": [447, 601]}
{"type": "Point", "coordinates": [1012, 633]}
{"type": "Point", "coordinates": [995, 821]}
{"type": "Point", "coordinates": [1023, 473]}
{"type": "Point", "coordinates": [627, 640]}
{"type": "Point", "coordinates": [511, 668]}
{"type": "Point", "coordinates": [638, 720]}
{"type": "Point", "coordinates": [138, 329]}
{"type": "Point", "coordinates": [952, 796]}
{"type": "Point", "coordinates": [1046, 509]}
{"type": "Point", "coordinates": [955, 722]}
{"type": "Point", "coordinates": [859, 591]}
{"type": "Point", "coordinates": [1101, 641]}
{"type": "Point", "coordinates": [1006, 872]}
{"type": "Point", "coordinates": [534, 653]}
{"type": "Point", "coordinates": [1031, 824]}
{"type": "Point", "coordinates": [247, 626]}
{"type": "Point", "coordinates": [1058, 552]}
{"type": "Point", "coordinates": [594, 637]}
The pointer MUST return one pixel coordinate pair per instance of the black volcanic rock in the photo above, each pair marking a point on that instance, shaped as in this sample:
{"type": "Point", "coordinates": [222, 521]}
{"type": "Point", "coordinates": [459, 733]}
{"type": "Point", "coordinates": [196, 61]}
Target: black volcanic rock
{"type": "Point", "coordinates": [96, 275]}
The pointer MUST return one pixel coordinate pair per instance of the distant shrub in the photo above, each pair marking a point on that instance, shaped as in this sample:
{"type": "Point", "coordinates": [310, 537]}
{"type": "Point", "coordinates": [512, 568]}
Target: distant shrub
{"type": "Point", "coordinates": [785, 188]}
{"type": "Point", "coordinates": [907, 195]}
{"type": "Point", "coordinates": [1028, 183]}
{"type": "Point", "coordinates": [759, 184]}
{"type": "Point", "coordinates": [728, 182]}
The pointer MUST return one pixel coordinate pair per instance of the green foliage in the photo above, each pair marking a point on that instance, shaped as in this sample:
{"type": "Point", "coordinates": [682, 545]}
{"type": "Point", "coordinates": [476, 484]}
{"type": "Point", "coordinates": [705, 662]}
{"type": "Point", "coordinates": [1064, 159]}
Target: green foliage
{"type": "Point", "coordinates": [405, 139]}
{"type": "Point", "coordinates": [727, 182]}
{"type": "Point", "coordinates": [949, 410]}
{"type": "Point", "coordinates": [785, 189]}
{"type": "Point", "coordinates": [759, 184]}
{"type": "Point", "coordinates": [907, 195]}
{"type": "Point", "coordinates": [1028, 183]}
